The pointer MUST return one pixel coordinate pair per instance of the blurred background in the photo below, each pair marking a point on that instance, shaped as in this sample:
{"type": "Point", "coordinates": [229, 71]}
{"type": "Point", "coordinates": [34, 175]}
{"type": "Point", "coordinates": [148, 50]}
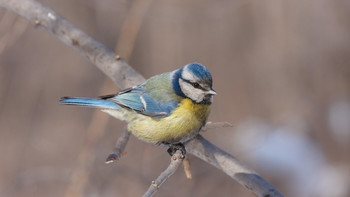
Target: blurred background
{"type": "Point", "coordinates": [281, 70]}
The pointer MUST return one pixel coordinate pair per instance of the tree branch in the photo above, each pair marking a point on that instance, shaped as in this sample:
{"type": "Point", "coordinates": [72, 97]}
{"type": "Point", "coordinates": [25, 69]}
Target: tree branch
{"type": "Point", "coordinates": [125, 76]}
{"type": "Point", "coordinates": [237, 170]}
{"type": "Point", "coordinates": [175, 162]}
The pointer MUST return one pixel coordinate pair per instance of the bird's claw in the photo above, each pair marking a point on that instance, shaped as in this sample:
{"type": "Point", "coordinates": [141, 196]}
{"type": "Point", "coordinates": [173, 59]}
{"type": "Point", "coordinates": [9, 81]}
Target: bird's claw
{"type": "Point", "coordinates": [175, 147]}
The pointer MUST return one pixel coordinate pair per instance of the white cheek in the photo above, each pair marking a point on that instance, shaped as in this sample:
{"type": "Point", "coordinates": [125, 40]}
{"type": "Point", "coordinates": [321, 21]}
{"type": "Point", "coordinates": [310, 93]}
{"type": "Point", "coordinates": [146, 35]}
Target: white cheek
{"type": "Point", "coordinates": [191, 92]}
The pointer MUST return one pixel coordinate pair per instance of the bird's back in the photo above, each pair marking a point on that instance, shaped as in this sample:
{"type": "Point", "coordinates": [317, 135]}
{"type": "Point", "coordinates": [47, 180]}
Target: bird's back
{"type": "Point", "coordinates": [160, 88]}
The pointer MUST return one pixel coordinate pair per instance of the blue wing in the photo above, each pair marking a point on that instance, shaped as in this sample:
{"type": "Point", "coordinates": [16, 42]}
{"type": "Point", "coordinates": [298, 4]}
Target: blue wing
{"type": "Point", "coordinates": [139, 100]}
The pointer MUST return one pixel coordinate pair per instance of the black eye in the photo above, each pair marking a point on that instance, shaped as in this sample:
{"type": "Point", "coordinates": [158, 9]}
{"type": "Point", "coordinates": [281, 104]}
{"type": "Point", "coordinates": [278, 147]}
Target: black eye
{"type": "Point", "coordinates": [196, 85]}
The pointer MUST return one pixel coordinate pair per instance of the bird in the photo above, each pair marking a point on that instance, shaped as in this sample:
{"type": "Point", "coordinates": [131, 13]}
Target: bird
{"type": "Point", "coordinates": [169, 108]}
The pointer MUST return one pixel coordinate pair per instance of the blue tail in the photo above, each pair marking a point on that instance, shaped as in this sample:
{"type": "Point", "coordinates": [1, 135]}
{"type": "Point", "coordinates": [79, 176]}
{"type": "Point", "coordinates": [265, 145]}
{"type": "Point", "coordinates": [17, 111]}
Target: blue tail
{"type": "Point", "coordinates": [89, 102]}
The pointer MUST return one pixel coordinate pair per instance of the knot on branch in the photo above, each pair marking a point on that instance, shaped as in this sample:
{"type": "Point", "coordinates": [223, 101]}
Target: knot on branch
{"type": "Point", "coordinates": [155, 185]}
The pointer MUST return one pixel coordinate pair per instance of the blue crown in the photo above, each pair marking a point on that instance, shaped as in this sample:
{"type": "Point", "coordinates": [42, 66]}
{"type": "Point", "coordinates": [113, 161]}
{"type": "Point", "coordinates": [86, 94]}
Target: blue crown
{"type": "Point", "coordinates": [200, 71]}
{"type": "Point", "coordinates": [197, 69]}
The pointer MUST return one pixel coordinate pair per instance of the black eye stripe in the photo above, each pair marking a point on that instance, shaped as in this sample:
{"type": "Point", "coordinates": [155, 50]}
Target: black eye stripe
{"type": "Point", "coordinates": [194, 84]}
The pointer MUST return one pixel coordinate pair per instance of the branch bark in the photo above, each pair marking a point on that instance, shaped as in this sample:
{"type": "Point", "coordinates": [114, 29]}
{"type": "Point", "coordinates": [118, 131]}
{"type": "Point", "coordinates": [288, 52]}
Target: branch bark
{"type": "Point", "coordinates": [125, 76]}
{"type": "Point", "coordinates": [175, 162]}
{"type": "Point", "coordinates": [234, 168]}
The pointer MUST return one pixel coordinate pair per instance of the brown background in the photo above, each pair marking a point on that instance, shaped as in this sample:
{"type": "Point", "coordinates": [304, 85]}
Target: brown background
{"type": "Point", "coordinates": [281, 70]}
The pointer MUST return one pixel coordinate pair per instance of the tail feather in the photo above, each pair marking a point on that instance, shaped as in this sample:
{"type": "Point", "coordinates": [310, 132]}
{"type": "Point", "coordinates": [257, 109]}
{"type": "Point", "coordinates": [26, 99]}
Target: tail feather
{"type": "Point", "coordinates": [89, 102]}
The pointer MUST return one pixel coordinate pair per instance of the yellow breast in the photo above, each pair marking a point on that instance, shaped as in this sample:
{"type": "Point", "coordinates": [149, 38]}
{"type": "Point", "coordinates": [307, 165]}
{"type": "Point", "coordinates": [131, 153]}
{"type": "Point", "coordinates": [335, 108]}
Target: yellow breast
{"type": "Point", "coordinates": [182, 124]}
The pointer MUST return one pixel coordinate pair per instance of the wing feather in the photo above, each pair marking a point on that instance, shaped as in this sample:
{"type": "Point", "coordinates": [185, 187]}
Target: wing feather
{"type": "Point", "coordinates": [139, 100]}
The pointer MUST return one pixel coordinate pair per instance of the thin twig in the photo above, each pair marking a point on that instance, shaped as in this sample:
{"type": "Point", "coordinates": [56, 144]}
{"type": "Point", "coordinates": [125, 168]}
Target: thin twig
{"type": "Point", "coordinates": [124, 76]}
{"type": "Point", "coordinates": [187, 169]}
{"type": "Point", "coordinates": [119, 146]}
{"type": "Point", "coordinates": [175, 162]}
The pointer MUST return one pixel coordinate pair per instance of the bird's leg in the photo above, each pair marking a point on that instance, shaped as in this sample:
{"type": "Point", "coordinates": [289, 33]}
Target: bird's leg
{"type": "Point", "coordinates": [174, 147]}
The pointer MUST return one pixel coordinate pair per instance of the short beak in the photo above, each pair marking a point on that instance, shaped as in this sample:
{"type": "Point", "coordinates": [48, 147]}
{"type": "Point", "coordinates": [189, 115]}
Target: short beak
{"type": "Point", "coordinates": [212, 92]}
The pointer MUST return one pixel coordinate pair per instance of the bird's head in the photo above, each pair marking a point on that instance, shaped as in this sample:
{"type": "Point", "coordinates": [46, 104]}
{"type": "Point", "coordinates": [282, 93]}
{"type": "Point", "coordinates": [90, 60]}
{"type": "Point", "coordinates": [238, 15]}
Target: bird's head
{"type": "Point", "coordinates": [194, 81]}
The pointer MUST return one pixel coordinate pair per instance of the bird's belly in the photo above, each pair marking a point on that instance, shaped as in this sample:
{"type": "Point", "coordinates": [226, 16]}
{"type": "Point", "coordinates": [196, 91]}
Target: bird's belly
{"type": "Point", "coordinates": [182, 124]}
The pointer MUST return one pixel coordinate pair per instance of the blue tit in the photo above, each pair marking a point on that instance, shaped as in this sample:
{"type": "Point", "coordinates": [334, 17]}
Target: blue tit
{"type": "Point", "coordinates": [169, 108]}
